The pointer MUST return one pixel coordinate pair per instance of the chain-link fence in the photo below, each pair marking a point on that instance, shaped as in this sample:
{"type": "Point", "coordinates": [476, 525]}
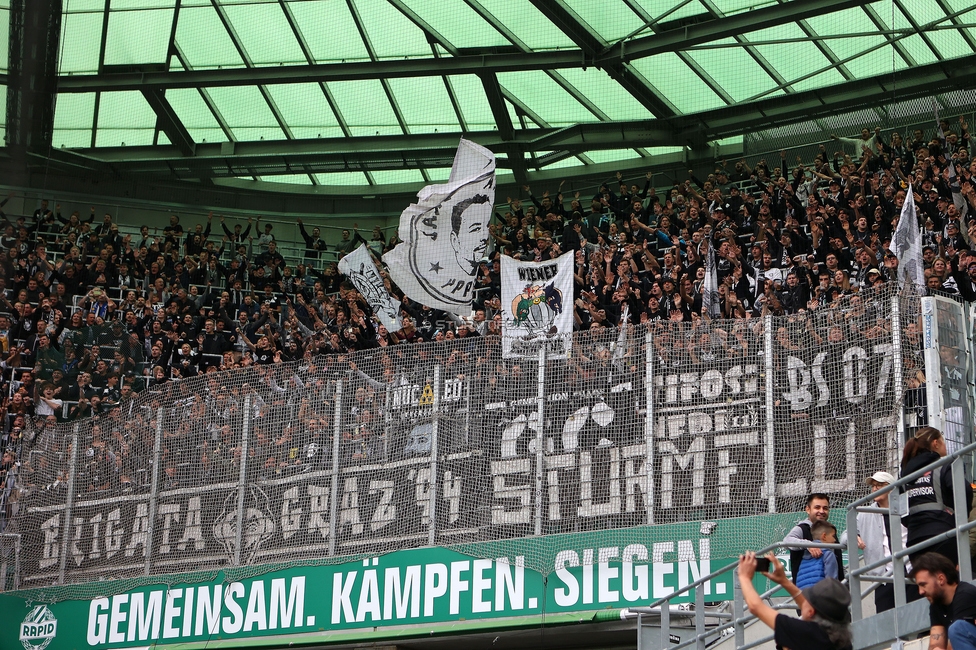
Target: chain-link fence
{"type": "Point", "coordinates": [447, 443]}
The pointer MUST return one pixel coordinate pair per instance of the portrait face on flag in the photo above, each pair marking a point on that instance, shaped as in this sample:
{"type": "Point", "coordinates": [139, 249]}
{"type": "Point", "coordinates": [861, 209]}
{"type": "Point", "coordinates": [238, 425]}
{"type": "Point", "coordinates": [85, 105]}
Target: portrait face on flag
{"type": "Point", "coordinates": [469, 227]}
{"type": "Point", "coordinates": [445, 234]}
{"type": "Point", "coordinates": [453, 255]}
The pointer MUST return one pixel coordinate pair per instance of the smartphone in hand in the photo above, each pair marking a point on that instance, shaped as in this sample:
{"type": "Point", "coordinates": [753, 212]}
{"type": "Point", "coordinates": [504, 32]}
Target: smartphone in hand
{"type": "Point", "coordinates": [762, 564]}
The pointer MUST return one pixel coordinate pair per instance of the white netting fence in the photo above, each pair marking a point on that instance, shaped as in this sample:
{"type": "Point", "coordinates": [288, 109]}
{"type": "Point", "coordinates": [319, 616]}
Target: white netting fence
{"type": "Point", "coordinates": [443, 444]}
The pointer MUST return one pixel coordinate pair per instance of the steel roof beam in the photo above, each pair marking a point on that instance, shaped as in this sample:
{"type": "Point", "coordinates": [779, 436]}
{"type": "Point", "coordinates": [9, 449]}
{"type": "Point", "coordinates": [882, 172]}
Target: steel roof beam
{"type": "Point", "coordinates": [169, 122]}
{"type": "Point", "coordinates": [116, 78]}
{"type": "Point", "coordinates": [431, 150]}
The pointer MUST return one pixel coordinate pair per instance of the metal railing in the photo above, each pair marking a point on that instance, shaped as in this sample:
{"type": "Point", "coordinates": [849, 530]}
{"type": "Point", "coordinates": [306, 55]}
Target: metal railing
{"type": "Point", "coordinates": [739, 618]}
{"type": "Point", "coordinates": [898, 554]}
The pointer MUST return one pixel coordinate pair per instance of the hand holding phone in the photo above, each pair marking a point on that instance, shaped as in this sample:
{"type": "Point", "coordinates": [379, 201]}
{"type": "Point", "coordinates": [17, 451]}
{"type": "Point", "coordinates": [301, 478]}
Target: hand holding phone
{"type": "Point", "coordinates": [762, 564]}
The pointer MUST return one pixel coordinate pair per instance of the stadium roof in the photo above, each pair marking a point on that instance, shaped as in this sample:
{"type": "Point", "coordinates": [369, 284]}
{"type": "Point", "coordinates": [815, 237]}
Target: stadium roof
{"type": "Point", "coordinates": [377, 92]}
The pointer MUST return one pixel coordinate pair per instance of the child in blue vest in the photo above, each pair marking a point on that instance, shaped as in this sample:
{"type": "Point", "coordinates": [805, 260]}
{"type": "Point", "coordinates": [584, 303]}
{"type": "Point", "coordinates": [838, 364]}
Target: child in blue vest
{"type": "Point", "coordinates": [814, 569]}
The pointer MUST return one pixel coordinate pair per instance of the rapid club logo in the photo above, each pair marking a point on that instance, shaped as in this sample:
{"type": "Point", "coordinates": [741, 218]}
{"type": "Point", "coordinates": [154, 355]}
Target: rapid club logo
{"type": "Point", "coordinates": [38, 629]}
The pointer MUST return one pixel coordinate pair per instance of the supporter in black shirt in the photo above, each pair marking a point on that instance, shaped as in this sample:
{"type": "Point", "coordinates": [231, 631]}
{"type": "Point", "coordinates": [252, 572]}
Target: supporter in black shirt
{"type": "Point", "coordinates": [824, 622]}
{"type": "Point", "coordinates": [952, 609]}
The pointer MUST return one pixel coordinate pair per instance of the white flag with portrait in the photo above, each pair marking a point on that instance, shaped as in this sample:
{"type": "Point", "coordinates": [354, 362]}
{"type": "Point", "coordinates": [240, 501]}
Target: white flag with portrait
{"type": "Point", "coordinates": [444, 236]}
{"type": "Point", "coordinates": [537, 307]}
{"type": "Point", "coordinates": [907, 243]}
{"type": "Point", "coordinates": [358, 266]}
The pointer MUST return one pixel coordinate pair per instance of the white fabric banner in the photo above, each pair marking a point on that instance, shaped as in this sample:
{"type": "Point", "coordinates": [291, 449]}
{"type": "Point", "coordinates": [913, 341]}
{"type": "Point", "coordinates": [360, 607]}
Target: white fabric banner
{"type": "Point", "coordinates": [537, 307]}
{"type": "Point", "coordinates": [444, 236]}
{"type": "Point", "coordinates": [908, 244]}
{"type": "Point", "coordinates": [711, 300]}
{"type": "Point", "coordinates": [358, 266]}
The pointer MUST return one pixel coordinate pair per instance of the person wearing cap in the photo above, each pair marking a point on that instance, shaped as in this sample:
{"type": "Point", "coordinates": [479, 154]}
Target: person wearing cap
{"type": "Point", "coordinates": [874, 278]}
{"type": "Point", "coordinates": [952, 608]}
{"type": "Point", "coordinates": [825, 620]}
{"type": "Point", "coordinates": [873, 530]}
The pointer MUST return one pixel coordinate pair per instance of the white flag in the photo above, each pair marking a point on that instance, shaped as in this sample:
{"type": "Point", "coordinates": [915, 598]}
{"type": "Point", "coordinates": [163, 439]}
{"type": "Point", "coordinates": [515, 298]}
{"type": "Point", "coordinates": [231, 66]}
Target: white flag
{"type": "Point", "coordinates": [537, 307]}
{"type": "Point", "coordinates": [938, 124]}
{"type": "Point", "coordinates": [711, 301]}
{"type": "Point", "coordinates": [358, 266]}
{"type": "Point", "coordinates": [908, 244]}
{"type": "Point", "coordinates": [445, 234]}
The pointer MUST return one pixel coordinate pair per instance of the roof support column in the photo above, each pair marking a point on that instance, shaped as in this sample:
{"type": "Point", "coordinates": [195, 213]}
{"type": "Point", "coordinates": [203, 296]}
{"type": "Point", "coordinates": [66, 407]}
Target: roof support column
{"type": "Point", "coordinates": [35, 30]}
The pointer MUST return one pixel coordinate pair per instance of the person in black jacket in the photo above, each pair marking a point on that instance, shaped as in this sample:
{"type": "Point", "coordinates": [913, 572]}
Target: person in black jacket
{"type": "Point", "coordinates": [930, 502]}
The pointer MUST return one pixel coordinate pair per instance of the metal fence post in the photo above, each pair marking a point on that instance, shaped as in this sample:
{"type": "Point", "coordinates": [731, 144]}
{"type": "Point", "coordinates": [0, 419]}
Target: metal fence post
{"type": "Point", "coordinates": [770, 446]}
{"type": "Point", "coordinates": [242, 480]}
{"type": "Point", "coordinates": [961, 517]}
{"type": "Point", "coordinates": [666, 622]}
{"type": "Point", "coordinates": [898, 378]}
{"type": "Point", "coordinates": [69, 503]}
{"type": "Point", "coordinates": [649, 424]}
{"type": "Point", "coordinates": [334, 494]}
{"type": "Point", "coordinates": [897, 563]}
{"type": "Point", "coordinates": [700, 616]}
{"type": "Point", "coordinates": [154, 487]}
{"type": "Point", "coordinates": [737, 611]}
{"type": "Point", "coordinates": [853, 562]}
{"type": "Point", "coordinates": [540, 439]}
{"type": "Point", "coordinates": [386, 420]}
{"type": "Point", "coordinates": [432, 531]}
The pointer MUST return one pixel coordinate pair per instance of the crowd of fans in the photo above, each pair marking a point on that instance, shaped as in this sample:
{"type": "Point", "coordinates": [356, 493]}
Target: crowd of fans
{"type": "Point", "coordinates": [90, 316]}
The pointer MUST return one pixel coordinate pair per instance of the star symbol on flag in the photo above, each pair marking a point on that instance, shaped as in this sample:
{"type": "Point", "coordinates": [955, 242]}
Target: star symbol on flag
{"type": "Point", "coordinates": [435, 267]}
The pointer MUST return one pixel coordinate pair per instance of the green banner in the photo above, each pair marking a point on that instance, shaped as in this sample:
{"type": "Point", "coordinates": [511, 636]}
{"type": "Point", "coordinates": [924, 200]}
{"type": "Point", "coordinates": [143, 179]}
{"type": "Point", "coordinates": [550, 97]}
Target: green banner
{"type": "Point", "coordinates": [487, 583]}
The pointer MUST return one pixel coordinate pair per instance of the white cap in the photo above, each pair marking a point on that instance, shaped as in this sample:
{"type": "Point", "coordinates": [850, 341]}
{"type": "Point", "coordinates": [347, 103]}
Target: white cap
{"type": "Point", "coordinates": [881, 477]}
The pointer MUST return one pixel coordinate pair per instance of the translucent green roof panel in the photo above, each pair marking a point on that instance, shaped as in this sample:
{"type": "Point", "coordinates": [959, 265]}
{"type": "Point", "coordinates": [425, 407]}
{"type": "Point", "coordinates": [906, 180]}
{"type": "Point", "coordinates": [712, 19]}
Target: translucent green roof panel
{"type": "Point", "coordinates": [124, 118]}
{"type": "Point", "coordinates": [546, 98]}
{"type": "Point", "coordinates": [425, 104]}
{"type": "Point", "coordinates": [365, 108]}
{"type": "Point", "coordinates": [305, 109]}
{"type": "Point", "coordinates": [678, 83]}
{"type": "Point", "coordinates": [81, 6]}
{"type": "Point", "coordinates": [390, 33]}
{"type": "Point", "coordinates": [610, 20]}
{"type": "Point", "coordinates": [203, 40]}
{"type": "Point", "coordinates": [660, 10]}
{"type": "Point", "coordinates": [80, 38]}
{"type": "Point", "coordinates": [319, 28]}
{"type": "Point", "coordinates": [790, 60]}
{"type": "Point", "coordinates": [342, 178]}
{"type": "Point", "coordinates": [438, 174]}
{"type": "Point", "coordinates": [153, 21]}
{"type": "Point", "coordinates": [457, 22]}
{"type": "Point", "coordinates": [611, 155]}
{"type": "Point", "coordinates": [527, 24]}
{"type": "Point", "coordinates": [73, 120]}
{"type": "Point", "coordinates": [246, 112]}
{"type": "Point", "coordinates": [291, 179]}
{"type": "Point", "coordinates": [380, 65]}
{"type": "Point", "coordinates": [4, 35]}
{"type": "Point", "coordinates": [572, 161]}
{"type": "Point", "coordinates": [599, 88]}
{"type": "Point", "coordinates": [849, 21]}
{"type": "Point", "coordinates": [470, 95]}
{"type": "Point", "coordinates": [741, 76]}
{"type": "Point", "coordinates": [399, 176]}
{"type": "Point", "coordinates": [193, 112]}
{"type": "Point", "coordinates": [264, 33]}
